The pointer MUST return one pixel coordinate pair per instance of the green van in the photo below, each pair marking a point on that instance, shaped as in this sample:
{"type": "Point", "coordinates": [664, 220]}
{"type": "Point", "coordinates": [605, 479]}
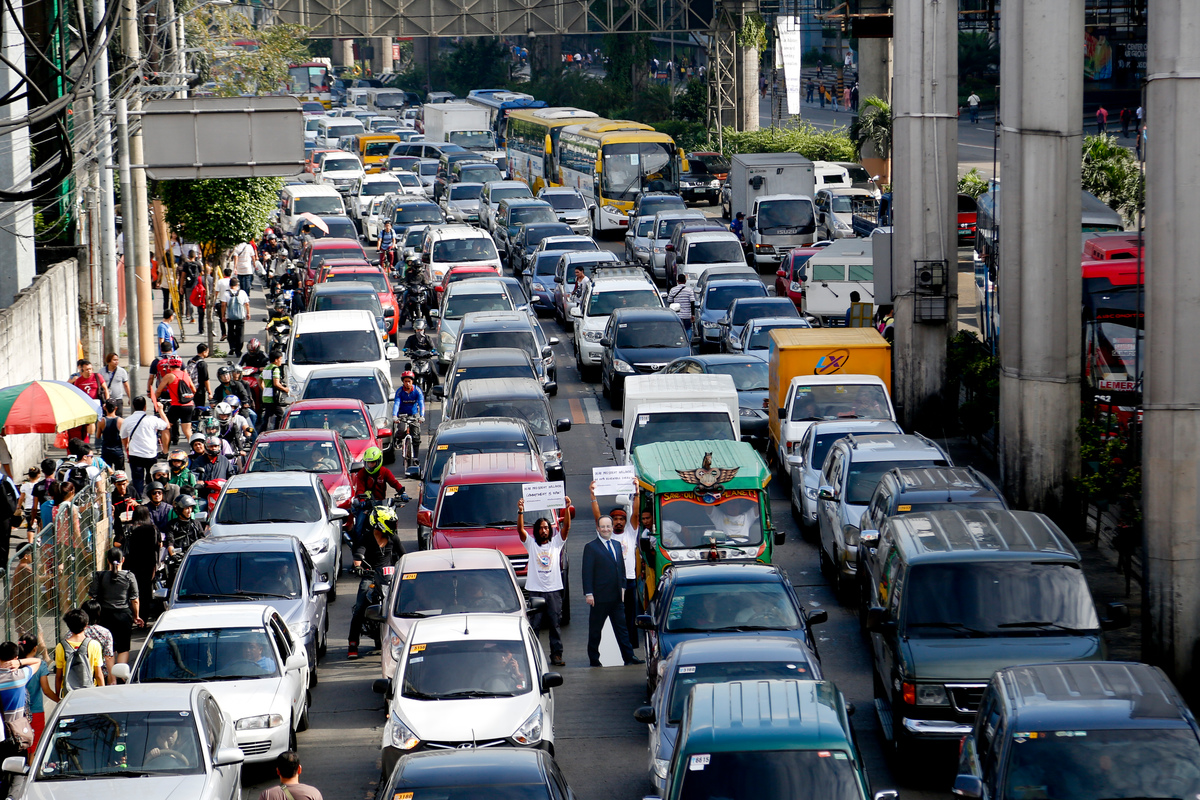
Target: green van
{"type": "Point", "coordinates": [749, 740]}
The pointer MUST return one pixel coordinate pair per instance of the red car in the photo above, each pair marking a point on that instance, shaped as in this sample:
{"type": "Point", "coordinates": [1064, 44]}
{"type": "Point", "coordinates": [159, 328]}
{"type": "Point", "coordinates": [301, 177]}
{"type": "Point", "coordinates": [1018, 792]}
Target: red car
{"type": "Point", "coordinates": [788, 282]}
{"type": "Point", "coordinates": [347, 417]}
{"type": "Point", "coordinates": [378, 278]}
{"type": "Point", "coordinates": [967, 214]}
{"type": "Point", "coordinates": [465, 272]}
{"type": "Point", "coordinates": [307, 450]}
{"type": "Point", "coordinates": [325, 249]}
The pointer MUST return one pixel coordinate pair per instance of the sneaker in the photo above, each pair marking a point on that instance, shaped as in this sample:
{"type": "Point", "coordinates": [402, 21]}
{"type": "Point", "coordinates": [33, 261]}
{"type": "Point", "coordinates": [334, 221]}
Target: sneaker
{"type": "Point", "coordinates": [557, 661]}
{"type": "Point", "coordinates": [352, 651]}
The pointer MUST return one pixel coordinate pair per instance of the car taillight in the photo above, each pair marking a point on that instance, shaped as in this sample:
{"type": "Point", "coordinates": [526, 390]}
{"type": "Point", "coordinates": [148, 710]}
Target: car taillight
{"type": "Point", "coordinates": [909, 692]}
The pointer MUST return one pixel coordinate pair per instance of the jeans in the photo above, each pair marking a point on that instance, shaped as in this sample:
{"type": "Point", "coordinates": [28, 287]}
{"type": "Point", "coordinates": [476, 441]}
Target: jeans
{"type": "Point", "coordinates": [270, 411]}
{"type": "Point", "coordinates": [551, 616]}
{"type": "Point", "coordinates": [614, 612]}
{"type": "Point", "coordinates": [974, 113]}
{"type": "Point", "coordinates": [140, 468]}
{"type": "Point", "coordinates": [360, 609]}
{"type": "Point", "coordinates": [246, 282]}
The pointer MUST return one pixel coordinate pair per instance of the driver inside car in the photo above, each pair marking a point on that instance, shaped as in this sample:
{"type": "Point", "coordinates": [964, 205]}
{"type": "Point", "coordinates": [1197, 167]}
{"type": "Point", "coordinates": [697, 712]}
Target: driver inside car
{"type": "Point", "coordinates": [163, 743]}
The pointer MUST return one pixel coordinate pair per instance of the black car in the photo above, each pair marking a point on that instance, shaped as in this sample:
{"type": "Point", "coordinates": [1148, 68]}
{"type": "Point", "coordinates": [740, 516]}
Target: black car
{"type": "Point", "coordinates": [698, 184]}
{"type": "Point", "coordinates": [477, 435]}
{"type": "Point", "coordinates": [751, 377]}
{"type": "Point", "coordinates": [491, 362]}
{"type": "Point", "coordinates": [648, 204]}
{"type": "Point", "coordinates": [507, 773]}
{"type": "Point", "coordinates": [744, 309]}
{"type": "Point", "coordinates": [638, 341]}
{"type": "Point", "coordinates": [520, 398]}
{"type": "Point", "coordinates": [529, 235]}
{"type": "Point", "coordinates": [446, 173]}
{"type": "Point", "coordinates": [696, 601]}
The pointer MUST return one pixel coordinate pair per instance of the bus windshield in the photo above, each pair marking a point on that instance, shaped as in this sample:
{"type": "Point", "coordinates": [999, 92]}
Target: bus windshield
{"type": "Point", "coordinates": [308, 78]}
{"type": "Point", "coordinates": [631, 167]}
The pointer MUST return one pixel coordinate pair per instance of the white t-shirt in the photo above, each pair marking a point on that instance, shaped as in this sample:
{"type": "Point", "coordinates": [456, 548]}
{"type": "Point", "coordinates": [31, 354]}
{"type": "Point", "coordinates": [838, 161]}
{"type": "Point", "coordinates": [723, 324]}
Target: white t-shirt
{"type": "Point", "coordinates": [234, 301]}
{"type": "Point", "coordinates": [221, 287]}
{"type": "Point", "coordinates": [143, 442]}
{"type": "Point", "coordinates": [544, 573]}
{"type": "Point", "coordinates": [244, 259]}
{"type": "Point", "coordinates": [628, 541]}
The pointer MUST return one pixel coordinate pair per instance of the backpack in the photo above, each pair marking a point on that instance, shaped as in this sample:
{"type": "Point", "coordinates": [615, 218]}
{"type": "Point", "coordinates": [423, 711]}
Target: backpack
{"type": "Point", "coordinates": [185, 392]}
{"type": "Point", "coordinates": [9, 499]}
{"type": "Point", "coordinates": [79, 673]}
{"type": "Point", "coordinates": [193, 371]}
{"type": "Point", "coordinates": [199, 296]}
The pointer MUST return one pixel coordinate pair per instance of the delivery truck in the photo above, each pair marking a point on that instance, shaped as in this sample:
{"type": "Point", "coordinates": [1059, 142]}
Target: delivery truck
{"type": "Point", "coordinates": [825, 373]}
{"type": "Point", "coordinates": [677, 408]}
{"type": "Point", "coordinates": [774, 191]}
{"type": "Point", "coordinates": [464, 124]}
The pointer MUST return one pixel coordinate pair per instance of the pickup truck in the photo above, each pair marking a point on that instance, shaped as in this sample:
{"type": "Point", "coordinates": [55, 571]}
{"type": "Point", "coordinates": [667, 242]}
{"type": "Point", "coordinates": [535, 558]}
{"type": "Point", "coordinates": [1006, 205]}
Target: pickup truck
{"type": "Point", "coordinates": [864, 223]}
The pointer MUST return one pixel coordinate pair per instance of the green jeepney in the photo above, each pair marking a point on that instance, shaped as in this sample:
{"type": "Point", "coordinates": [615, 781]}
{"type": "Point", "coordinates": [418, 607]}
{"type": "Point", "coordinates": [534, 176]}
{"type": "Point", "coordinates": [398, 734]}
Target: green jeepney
{"type": "Point", "coordinates": [710, 503]}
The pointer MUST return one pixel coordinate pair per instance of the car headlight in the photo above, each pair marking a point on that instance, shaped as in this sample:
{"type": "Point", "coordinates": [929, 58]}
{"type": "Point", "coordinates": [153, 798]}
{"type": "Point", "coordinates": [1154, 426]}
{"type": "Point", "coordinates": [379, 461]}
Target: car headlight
{"type": "Point", "coordinates": [841, 226]}
{"type": "Point", "coordinates": [660, 768]}
{"type": "Point", "coordinates": [735, 342]}
{"type": "Point", "coordinates": [637, 248]}
{"type": "Point", "coordinates": [932, 694]}
{"type": "Point", "coordinates": [530, 731]}
{"type": "Point", "coordinates": [711, 326]}
{"type": "Point", "coordinates": [538, 287]}
{"type": "Point", "coordinates": [795, 287]}
{"type": "Point", "coordinates": [261, 722]}
{"type": "Point", "coordinates": [396, 643]}
{"type": "Point", "coordinates": [402, 736]}
{"type": "Point", "coordinates": [747, 412]}
{"type": "Point", "coordinates": [446, 338]}
{"type": "Point", "coordinates": [341, 494]}
{"type": "Point", "coordinates": [621, 366]}
{"type": "Point", "coordinates": [593, 336]}
{"type": "Point", "coordinates": [810, 492]}
{"type": "Point", "coordinates": [659, 249]}
{"type": "Point", "coordinates": [317, 548]}
{"type": "Point", "coordinates": [764, 248]}
{"type": "Point", "coordinates": [382, 424]}
{"type": "Point", "coordinates": [300, 629]}
{"type": "Point", "coordinates": [714, 185]}
{"type": "Point", "coordinates": [850, 534]}
{"type": "Point", "coordinates": [551, 456]}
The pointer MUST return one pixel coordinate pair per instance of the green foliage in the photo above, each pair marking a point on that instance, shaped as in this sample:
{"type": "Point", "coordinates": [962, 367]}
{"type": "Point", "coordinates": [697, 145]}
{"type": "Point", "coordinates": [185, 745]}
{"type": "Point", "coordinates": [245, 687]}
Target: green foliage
{"type": "Point", "coordinates": [238, 70]}
{"type": "Point", "coordinates": [972, 184]}
{"type": "Point", "coordinates": [627, 71]}
{"type": "Point", "coordinates": [319, 48]}
{"type": "Point", "coordinates": [475, 62]}
{"type": "Point", "coordinates": [753, 32]}
{"type": "Point", "coordinates": [1112, 173]}
{"type": "Point", "coordinates": [971, 366]}
{"type": "Point", "coordinates": [872, 126]}
{"type": "Point", "coordinates": [811, 142]}
{"type": "Point", "coordinates": [1111, 466]}
{"type": "Point", "coordinates": [691, 104]}
{"type": "Point", "coordinates": [688, 135]}
{"type": "Point", "coordinates": [221, 212]}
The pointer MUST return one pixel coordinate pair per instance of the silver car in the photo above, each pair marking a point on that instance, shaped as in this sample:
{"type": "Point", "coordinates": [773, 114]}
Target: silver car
{"type": "Point", "coordinates": [810, 453]}
{"type": "Point", "coordinates": [460, 202]}
{"type": "Point", "coordinates": [75, 756]}
{"type": "Point", "coordinates": [665, 223]}
{"type": "Point", "coordinates": [364, 383]}
{"type": "Point", "coordinates": [568, 203]}
{"type": "Point", "coordinates": [295, 503]}
{"type": "Point", "coordinates": [637, 241]}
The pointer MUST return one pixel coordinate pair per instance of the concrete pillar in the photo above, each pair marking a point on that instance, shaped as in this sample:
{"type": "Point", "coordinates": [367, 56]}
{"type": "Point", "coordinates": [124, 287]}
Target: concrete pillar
{"type": "Point", "coordinates": [1171, 459]}
{"type": "Point", "coordinates": [16, 238]}
{"type": "Point", "coordinates": [747, 82]}
{"type": "Point", "coordinates": [925, 159]}
{"type": "Point", "coordinates": [1040, 283]}
{"type": "Point", "coordinates": [874, 59]}
{"type": "Point", "coordinates": [137, 229]}
{"type": "Point", "coordinates": [383, 49]}
{"type": "Point", "coordinates": [347, 51]}
{"type": "Point", "coordinates": [107, 242]}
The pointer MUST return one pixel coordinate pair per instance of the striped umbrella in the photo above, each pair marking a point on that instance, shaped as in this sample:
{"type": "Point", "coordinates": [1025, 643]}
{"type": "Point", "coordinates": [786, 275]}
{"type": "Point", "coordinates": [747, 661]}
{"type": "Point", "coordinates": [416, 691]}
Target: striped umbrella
{"type": "Point", "coordinates": [45, 407]}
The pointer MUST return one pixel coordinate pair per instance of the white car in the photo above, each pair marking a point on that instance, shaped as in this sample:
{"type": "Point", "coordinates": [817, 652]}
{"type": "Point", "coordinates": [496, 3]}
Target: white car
{"type": "Point", "coordinates": [570, 207]}
{"type": "Point", "coordinates": [410, 184]}
{"type": "Point", "coordinates": [373, 221]}
{"type": "Point", "coordinates": [366, 188]}
{"type": "Point", "coordinates": [340, 170]}
{"type": "Point", "coordinates": [611, 289]}
{"type": "Point", "coordinates": [810, 455]}
{"type": "Point", "coordinates": [836, 208]}
{"type": "Point", "coordinates": [245, 655]}
{"type": "Point", "coordinates": [77, 757]}
{"type": "Point", "coordinates": [475, 680]}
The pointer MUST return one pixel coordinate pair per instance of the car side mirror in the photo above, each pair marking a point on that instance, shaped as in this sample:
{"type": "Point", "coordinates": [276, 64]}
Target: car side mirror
{"type": "Point", "coordinates": [669, 248]}
{"type": "Point", "coordinates": [577, 312]}
{"type": "Point", "coordinates": [338, 513]}
{"type": "Point", "coordinates": [295, 661]}
{"type": "Point", "coordinates": [826, 493]}
{"type": "Point", "coordinates": [550, 387]}
{"type": "Point", "coordinates": [547, 352]}
{"type": "Point", "coordinates": [413, 473]}
{"type": "Point", "coordinates": [618, 423]}
{"type": "Point", "coordinates": [645, 715]}
{"type": "Point", "coordinates": [322, 587]}
{"type": "Point", "coordinates": [1117, 617]}
{"type": "Point", "coordinates": [781, 413]}
{"type": "Point", "coordinates": [619, 443]}
{"type": "Point", "coordinates": [425, 518]}
{"type": "Point", "coordinates": [723, 322]}
{"type": "Point", "coordinates": [964, 786]}
{"type": "Point", "coordinates": [223, 757]}
{"type": "Point", "coordinates": [355, 466]}
{"type": "Point", "coordinates": [557, 279]}
{"type": "Point", "coordinates": [434, 313]}
{"type": "Point", "coordinates": [550, 680]}
{"type": "Point", "coordinates": [868, 538]}
{"type": "Point", "coordinates": [392, 352]}
{"type": "Point", "coordinates": [389, 311]}
{"type": "Point", "coordinates": [781, 274]}
{"type": "Point", "coordinates": [160, 594]}
{"type": "Point", "coordinates": [381, 686]}
{"type": "Point", "coordinates": [605, 342]}
{"type": "Point", "coordinates": [879, 620]}
{"type": "Point", "coordinates": [562, 425]}
{"type": "Point", "coordinates": [818, 617]}
{"type": "Point", "coordinates": [375, 613]}
{"type": "Point", "coordinates": [644, 621]}
{"type": "Point", "coordinates": [536, 605]}
{"type": "Point", "coordinates": [779, 538]}
{"type": "Point", "coordinates": [438, 392]}
{"type": "Point", "coordinates": [750, 222]}
{"type": "Point", "coordinates": [16, 765]}
{"type": "Point", "coordinates": [121, 672]}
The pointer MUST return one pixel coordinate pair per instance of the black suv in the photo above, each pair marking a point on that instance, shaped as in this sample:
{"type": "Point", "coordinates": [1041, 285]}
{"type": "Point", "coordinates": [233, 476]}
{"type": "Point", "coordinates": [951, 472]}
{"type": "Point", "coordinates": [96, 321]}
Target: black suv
{"type": "Point", "coordinates": [638, 341]}
{"type": "Point", "coordinates": [915, 489]}
{"type": "Point", "coordinates": [953, 596]}
{"type": "Point", "coordinates": [1081, 731]}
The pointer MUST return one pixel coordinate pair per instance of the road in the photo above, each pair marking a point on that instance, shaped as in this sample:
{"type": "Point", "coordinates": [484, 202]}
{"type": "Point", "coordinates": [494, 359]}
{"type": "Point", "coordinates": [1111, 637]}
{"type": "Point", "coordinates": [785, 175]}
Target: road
{"type": "Point", "coordinates": [600, 747]}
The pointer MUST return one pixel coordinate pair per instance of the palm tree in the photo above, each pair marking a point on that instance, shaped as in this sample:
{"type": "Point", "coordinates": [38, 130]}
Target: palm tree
{"type": "Point", "coordinates": [873, 127]}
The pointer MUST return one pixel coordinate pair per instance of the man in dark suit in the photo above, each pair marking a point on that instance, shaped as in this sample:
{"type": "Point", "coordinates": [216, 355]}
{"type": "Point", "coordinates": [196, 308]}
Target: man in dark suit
{"type": "Point", "coordinates": [603, 590]}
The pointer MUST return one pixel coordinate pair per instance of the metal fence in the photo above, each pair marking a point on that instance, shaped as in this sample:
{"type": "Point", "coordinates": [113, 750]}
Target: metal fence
{"type": "Point", "coordinates": [49, 576]}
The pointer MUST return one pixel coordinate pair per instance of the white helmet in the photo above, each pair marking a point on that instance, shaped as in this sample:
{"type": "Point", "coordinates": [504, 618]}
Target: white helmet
{"type": "Point", "coordinates": [223, 411]}
{"type": "Point", "coordinates": [419, 325]}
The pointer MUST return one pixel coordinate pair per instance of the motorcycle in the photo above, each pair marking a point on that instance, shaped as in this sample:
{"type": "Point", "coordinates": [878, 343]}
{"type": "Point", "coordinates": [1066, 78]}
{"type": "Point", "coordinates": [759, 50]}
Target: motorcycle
{"type": "Point", "coordinates": [374, 621]}
{"type": "Point", "coordinates": [209, 492]}
{"type": "Point", "coordinates": [279, 335]}
{"type": "Point", "coordinates": [416, 303]}
{"type": "Point", "coordinates": [423, 369]}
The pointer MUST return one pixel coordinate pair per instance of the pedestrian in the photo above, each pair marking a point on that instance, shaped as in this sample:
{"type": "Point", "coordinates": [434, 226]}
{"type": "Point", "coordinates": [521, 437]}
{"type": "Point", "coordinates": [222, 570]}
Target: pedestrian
{"type": "Point", "coordinates": [116, 591]}
{"type": "Point", "coordinates": [166, 334]}
{"type": "Point", "coordinates": [846, 98]}
{"type": "Point", "coordinates": [762, 85]}
{"type": "Point", "coordinates": [197, 370]}
{"type": "Point", "coordinates": [10, 510]}
{"type": "Point", "coordinates": [810, 87]}
{"type": "Point", "coordinates": [243, 265]}
{"type": "Point", "coordinates": [626, 538]}
{"type": "Point", "coordinates": [29, 509]}
{"type": "Point", "coordinates": [544, 575]}
{"type": "Point", "coordinates": [604, 592]}
{"type": "Point", "coordinates": [973, 106]}
{"type": "Point", "coordinates": [159, 280]}
{"type": "Point", "coordinates": [16, 673]}
{"type": "Point", "coordinates": [738, 226]}
{"type": "Point", "coordinates": [275, 391]}
{"type": "Point", "coordinates": [1138, 114]}
{"type": "Point", "coordinates": [855, 297]}
{"type": "Point", "coordinates": [821, 93]}
{"type": "Point", "coordinates": [116, 382]}
{"type": "Point", "coordinates": [110, 436]}
{"type": "Point", "coordinates": [5, 458]}
{"type": "Point", "coordinates": [143, 542]}
{"type": "Point", "coordinates": [177, 385]}
{"type": "Point", "coordinates": [200, 294]}
{"type": "Point", "coordinates": [92, 385]}
{"type": "Point", "coordinates": [102, 635]}
{"type": "Point", "coordinates": [190, 269]}
{"type": "Point", "coordinates": [90, 672]}
{"type": "Point", "coordinates": [833, 97]}
{"type": "Point", "coordinates": [686, 298]}
{"type": "Point", "coordinates": [143, 436]}
{"type": "Point", "coordinates": [1102, 120]}
{"type": "Point", "coordinates": [221, 293]}
{"type": "Point", "coordinates": [849, 62]}
{"type": "Point", "coordinates": [820, 70]}
{"type": "Point", "coordinates": [237, 311]}
{"type": "Point", "coordinates": [287, 767]}
{"type": "Point", "coordinates": [854, 98]}
{"type": "Point", "coordinates": [1126, 117]}
{"type": "Point", "coordinates": [38, 686]}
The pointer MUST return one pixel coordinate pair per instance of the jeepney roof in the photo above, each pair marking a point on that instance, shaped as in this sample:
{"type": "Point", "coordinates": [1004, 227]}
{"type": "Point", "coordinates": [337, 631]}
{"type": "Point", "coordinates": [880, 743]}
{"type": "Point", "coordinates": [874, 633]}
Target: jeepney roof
{"type": "Point", "coordinates": [657, 466]}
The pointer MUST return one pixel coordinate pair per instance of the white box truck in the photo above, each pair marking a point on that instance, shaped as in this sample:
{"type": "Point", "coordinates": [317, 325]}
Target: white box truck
{"type": "Point", "coordinates": [774, 191]}
{"type": "Point", "coordinates": [464, 124]}
{"type": "Point", "coordinates": [840, 274]}
{"type": "Point", "coordinates": [654, 411]}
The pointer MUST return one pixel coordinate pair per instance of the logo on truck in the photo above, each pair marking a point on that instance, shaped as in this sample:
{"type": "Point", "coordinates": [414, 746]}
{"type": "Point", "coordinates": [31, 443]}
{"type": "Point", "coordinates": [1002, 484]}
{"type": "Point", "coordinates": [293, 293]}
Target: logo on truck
{"type": "Point", "coordinates": [708, 479]}
{"type": "Point", "coordinates": [829, 363]}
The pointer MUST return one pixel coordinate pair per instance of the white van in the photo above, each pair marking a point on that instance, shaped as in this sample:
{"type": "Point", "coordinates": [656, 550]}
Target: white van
{"type": "Point", "coordinates": [339, 170]}
{"type": "Point", "coordinates": [345, 338]}
{"type": "Point", "coordinates": [330, 129]}
{"type": "Point", "coordinates": [833, 274]}
{"type": "Point", "coordinates": [300, 198]}
{"type": "Point", "coordinates": [828, 175]}
{"type": "Point", "coordinates": [455, 245]}
{"type": "Point", "coordinates": [701, 250]}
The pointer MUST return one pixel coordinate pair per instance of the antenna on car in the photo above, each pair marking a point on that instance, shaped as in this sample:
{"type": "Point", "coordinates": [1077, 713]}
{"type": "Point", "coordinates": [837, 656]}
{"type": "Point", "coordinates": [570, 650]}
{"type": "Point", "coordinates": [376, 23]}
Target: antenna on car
{"type": "Point", "coordinates": [467, 632]}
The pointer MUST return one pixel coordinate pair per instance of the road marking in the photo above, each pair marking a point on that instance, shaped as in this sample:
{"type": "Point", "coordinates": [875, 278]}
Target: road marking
{"type": "Point", "coordinates": [577, 417]}
{"type": "Point", "coordinates": [592, 409]}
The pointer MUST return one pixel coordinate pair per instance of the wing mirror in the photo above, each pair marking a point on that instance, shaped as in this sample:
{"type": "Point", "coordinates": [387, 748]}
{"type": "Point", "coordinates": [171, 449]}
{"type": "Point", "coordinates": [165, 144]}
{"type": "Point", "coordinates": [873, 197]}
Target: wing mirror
{"type": "Point", "coordinates": [536, 604]}
{"type": "Point", "coordinates": [868, 538]}
{"type": "Point", "coordinates": [375, 613]}
{"type": "Point", "coordinates": [413, 473]}
{"type": "Point", "coordinates": [619, 443]}
{"type": "Point", "coordinates": [826, 493]}
{"type": "Point", "coordinates": [1117, 617]}
{"type": "Point", "coordinates": [438, 392]}
{"type": "Point", "coordinates": [322, 587]}
{"type": "Point", "coordinates": [338, 513]}
{"type": "Point", "coordinates": [818, 617]}
{"type": "Point", "coordinates": [224, 757]}
{"type": "Point", "coordinates": [121, 672]}
{"type": "Point", "coordinates": [645, 715]}
{"type": "Point", "coordinates": [644, 621]}
{"type": "Point", "coordinates": [879, 620]}
{"type": "Point", "coordinates": [562, 425]}
{"type": "Point", "coordinates": [964, 786]}
{"type": "Point", "coordinates": [295, 661]}
{"type": "Point", "coordinates": [606, 342]}
{"type": "Point", "coordinates": [425, 518]}
{"type": "Point", "coordinates": [550, 680]}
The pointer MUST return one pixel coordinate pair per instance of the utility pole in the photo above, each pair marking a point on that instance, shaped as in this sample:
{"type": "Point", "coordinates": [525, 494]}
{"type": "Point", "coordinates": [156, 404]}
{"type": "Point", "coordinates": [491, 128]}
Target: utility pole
{"type": "Point", "coordinates": [131, 315]}
{"type": "Point", "coordinates": [108, 225]}
{"type": "Point", "coordinates": [16, 243]}
{"type": "Point", "coordinates": [137, 227]}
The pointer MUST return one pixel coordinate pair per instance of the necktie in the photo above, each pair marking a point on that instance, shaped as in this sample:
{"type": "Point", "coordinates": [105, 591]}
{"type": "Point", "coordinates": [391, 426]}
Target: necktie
{"type": "Point", "coordinates": [612, 549]}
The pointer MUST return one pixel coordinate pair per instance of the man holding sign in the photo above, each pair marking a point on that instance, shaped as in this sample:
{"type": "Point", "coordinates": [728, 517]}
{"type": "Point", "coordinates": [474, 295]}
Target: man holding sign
{"type": "Point", "coordinates": [543, 577]}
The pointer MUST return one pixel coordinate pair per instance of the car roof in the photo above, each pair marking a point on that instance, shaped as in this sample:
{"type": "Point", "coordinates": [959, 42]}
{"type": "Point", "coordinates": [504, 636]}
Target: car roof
{"type": "Point", "coordinates": [258, 479]}
{"type": "Point", "coordinates": [489, 357]}
{"type": "Point", "coordinates": [294, 435]}
{"type": "Point", "coordinates": [741, 572]}
{"type": "Point", "coordinates": [764, 715]}
{"type": "Point", "coordinates": [446, 560]}
{"type": "Point", "coordinates": [132, 697]}
{"type": "Point", "coordinates": [471, 427]}
{"type": "Point", "coordinates": [499, 389]}
{"type": "Point", "coordinates": [590, 256]}
{"type": "Point", "coordinates": [644, 313]}
{"type": "Point", "coordinates": [487, 321]}
{"type": "Point", "coordinates": [344, 287]}
{"type": "Point", "coordinates": [559, 190]}
{"type": "Point", "coordinates": [727, 650]}
{"type": "Point", "coordinates": [850, 379]}
{"type": "Point", "coordinates": [214, 615]}
{"type": "Point", "coordinates": [327, 402]}
{"type": "Point", "coordinates": [458, 232]}
{"type": "Point", "coordinates": [792, 322]}
{"type": "Point", "coordinates": [762, 301]}
{"type": "Point", "coordinates": [488, 767]}
{"type": "Point", "coordinates": [711, 236]}
{"type": "Point", "coordinates": [467, 184]}
{"type": "Point", "coordinates": [476, 286]}
{"type": "Point", "coordinates": [470, 468]}
{"type": "Point", "coordinates": [941, 480]}
{"type": "Point", "coordinates": [574, 237]}
{"type": "Point", "coordinates": [603, 284]}
{"type": "Point", "coordinates": [460, 627]}
{"type": "Point", "coordinates": [507, 184]}
{"type": "Point", "coordinates": [248, 542]}
{"type": "Point", "coordinates": [869, 448]}
{"type": "Point", "coordinates": [981, 534]}
{"type": "Point", "coordinates": [714, 359]}
{"type": "Point", "coordinates": [524, 201]}
{"type": "Point", "coordinates": [1091, 695]}
{"type": "Point", "coordinates": [853, 425]}
{"type": "Point", "coordinates": [333, 242]}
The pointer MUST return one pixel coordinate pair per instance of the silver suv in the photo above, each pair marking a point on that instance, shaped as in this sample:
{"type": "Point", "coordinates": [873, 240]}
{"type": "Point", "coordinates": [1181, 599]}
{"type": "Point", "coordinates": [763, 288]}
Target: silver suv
{"type": "Point", "coordinates": [853, 468]}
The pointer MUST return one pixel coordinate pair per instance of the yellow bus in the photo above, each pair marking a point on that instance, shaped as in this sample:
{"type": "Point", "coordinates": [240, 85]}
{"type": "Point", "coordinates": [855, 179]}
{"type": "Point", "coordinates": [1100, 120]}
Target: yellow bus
{"type": "Point", "coordinates": [611, 162]}
{"type": "Point", "coordinates": [532, 133]}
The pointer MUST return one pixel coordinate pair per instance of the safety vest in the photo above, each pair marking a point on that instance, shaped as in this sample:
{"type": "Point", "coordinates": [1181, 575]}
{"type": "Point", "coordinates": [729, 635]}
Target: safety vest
{"type": "Point", "coordinates": [268, 383]}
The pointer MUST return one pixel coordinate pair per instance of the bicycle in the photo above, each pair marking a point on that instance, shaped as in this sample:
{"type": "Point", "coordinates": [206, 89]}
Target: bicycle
{"type": "Point", "coordinates": [408, 445]}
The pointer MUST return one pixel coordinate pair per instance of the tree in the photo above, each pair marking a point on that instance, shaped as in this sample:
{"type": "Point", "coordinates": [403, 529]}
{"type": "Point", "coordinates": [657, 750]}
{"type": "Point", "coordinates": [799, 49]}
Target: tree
{"type": "Point", "coordinates": [972, 184]}
{"type": "Point", "coordinates": [1111, 172]}
{"type": "Point", "coordinates": [221, 212]}
{"type": "Point", "coordinates": [873, 127]}
{"type": "Point", "coordinates": [221, 36]}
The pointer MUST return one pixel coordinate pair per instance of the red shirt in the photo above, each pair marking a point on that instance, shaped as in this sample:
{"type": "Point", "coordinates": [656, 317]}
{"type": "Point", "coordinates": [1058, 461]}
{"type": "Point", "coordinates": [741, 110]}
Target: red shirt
{"type": "Point", "coordinates": [90, 385]}
{"type": "Point", "coordinates": [376, 485]}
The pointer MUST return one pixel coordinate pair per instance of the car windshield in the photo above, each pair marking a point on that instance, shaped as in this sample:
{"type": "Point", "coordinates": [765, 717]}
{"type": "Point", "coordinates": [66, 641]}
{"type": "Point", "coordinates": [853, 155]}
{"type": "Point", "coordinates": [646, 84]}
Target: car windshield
{"type": "Point", "coordinates": [480, 249]}
{"type": "Point", "coordinates": [752, 775]}
{"type": "Point", "coordinates": [1010, 598]}
{"type": "Point", "coordinates": [642, 334]}
{"type": "Point", "coordinates": [340, 164]}
{"type": "Point", "coordinates": [824, 441]}
{"type": "Point", "coordinates": [456, 591]}
{"type": "Point", "coordinates": [320, 206]}
{"type": "Point", "coordinates": [468, 192]}
{"type": "Point", "coordinates": [714, 163]}
{"type": "Point", "coordinates": [379, 148]}
{"type": "Point", "coordinates": [729, 606]}
{"type": "Point", "coordinates": [376, 188]}
{"type": "Point", "coordinates": [779, 216]}
{"type": "Point", "coordinates": [287, 455]}
{"type": "Point", "coordinates": [408, 180]}
{"type": "Point", "coordinates": [546, 264]}
{"type": "Point", "coordinates": [564, 201]}
{"type": "Point", "coordinates": [409, 215]}
{"type": "Point", "coordinates": [718, 252]}
{"type": "Point", "coordinates": [336, 347]}
{"type": "Point", "coordinates": [484, 505]}
{"type": "Point", "coordinates": [534, 412]}
{"type": "Point", "coordinates": [644, 227]}
{"type": "Point", "coordinates": [346, 128]}
{"type": "Point", "coordinates": [687, 676]}
{"type": "Point", "coordinates": [695, 425]}
{"type": "Point", "coordinates": [688, 522]}
{"type": "Point", "coordinates": [390, 100]}
{"type": "Point", "coordinates": [376, 279]}
{"type": "Point", "coordinates": [428, 168]}
{"type": "Point", "coordinates": [864, 477]}
{"type": "Point", "coordinates": [121, 744]}
{"type": "Point", "coordinates": [840, 401]}
{"type": "Point", "coordinates": [481, 173]}
{"type": "Point", "coordinates": [351, 387]}
{"type": "Point", "coordinates": [439, 456]}
{"type": "Point", "coordinates": [604, 303]}
{"type": "Point", "coordinates": [744, 312]}
{"type": "Point", "coordinates": [666, 227]}
{"type": "Point", "coordinates": [471, 668]}
{"type": "Point", "coordinates": [320, 256]}
{"type": "Point", "coordinates": [353, 300]}
{"type": "Point", "coordinates": [473, 140]}
{"type": "Point", "coordinates": [1103, 764]}
{"type": "Point", "coordinates": [760, 336]}
{"type": "Point", "coordinates": [841, 204]}
{"type": "Point", "coordinates": [461, 304]}
{"type": "Point", "coordinates": [475, 340]}
{"type": "Point", "coordinates": [349, 422]}
{"type": "Point", "coordinates": [252, 505]}
{"type": "Point", "coordinates": [631, 167]}
{"type": "Point", "coordinates": [719, 298]}
{"type": "Point", "coordinates": [217, 654]}
{"type": "Point", "coordinates": [527, 214]}
{"type": "Point", "coordinates": [233, 575]}
{"type": "Point", "coordinates": [747, 376]}
{"type": "Point", "coordinates": [504, 192]}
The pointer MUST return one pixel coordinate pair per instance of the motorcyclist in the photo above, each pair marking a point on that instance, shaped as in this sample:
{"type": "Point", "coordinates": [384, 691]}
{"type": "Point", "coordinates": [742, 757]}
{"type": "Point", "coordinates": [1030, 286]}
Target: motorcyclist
{"type": "Point", "coordinates": [413, 278]}
{"type": "Point", "coordinates": [419, 340]}
{"type": "Point", "coordinates": [254, 356]}
{"type": "Point", "coordinates": [197, 457]}
{"type": "Point", "coordinates": [279, 319]}
{"type": "Point", "coordinates": [380, 548]}
{"type": "Point", "coordinates": [216, 466]}
{"type": "Point", "coordinates": [229, 386]}
{"type": "Point", "coordinates": [180, 474]}
{"type": "Point", "coordinates": [185, 528]}
{"type": "Point", "coordinates": [161, 473]}
{"type": "Point", "coordinates": [232, 427]}
{"type": "Point", "coordinates": [247, 402]}
{"type": "Point", "coordinates": [373, 481]}
{"type": "Point", "coordinates": [410, 401]}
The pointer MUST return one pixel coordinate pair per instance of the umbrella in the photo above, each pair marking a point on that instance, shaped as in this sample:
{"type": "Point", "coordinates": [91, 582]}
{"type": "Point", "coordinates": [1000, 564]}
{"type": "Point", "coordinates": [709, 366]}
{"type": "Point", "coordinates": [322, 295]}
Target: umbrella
{"type": "Point", "coordinates": [315, 220]}
{"type": "Point", "coordinates": [45, 407]}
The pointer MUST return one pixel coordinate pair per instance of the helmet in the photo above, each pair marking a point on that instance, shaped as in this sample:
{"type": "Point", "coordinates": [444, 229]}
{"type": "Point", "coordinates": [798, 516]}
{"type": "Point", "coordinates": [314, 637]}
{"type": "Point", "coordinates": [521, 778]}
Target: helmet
{"type": "Point", "coordinates": [213, 445]}
{"type": "Point", "coordinates": [223, 411]}
{"type": "Point", "coordinates": [174, 362]}
{"type": "Point", "coordinates": [271, 234]}
{"type": "Point", "coordinates": [177, 455]}
{"type": "Point", "coordinates": [154, 486]}
{"type": "Point", "coordinates": [196, 437]}
{"type": "Point", "coordinates": [254, 344]}
{"type": "Point", "coordinates": [160, 469]}
{"type": "Point", "coordinates": [237, 371]}
{"type": "Point", "coordinates": [279, 306]}
{"type": "Point", "coordinates": [211, 426]}
{"type": "Point", "coordinates": [233, 402]}
{"type": "Point", "coordinates": [373, 459]}
{"type": "Point", "coordinates": [408, 373]}
{"type": "Point", "coordinates": [384, 519]}
{"type": "Point", "coordinates": [225, 372]}
{"type": "Point", "coordinates": [419, 325]}
{"type": "Point", "coordinates": [185, 501]}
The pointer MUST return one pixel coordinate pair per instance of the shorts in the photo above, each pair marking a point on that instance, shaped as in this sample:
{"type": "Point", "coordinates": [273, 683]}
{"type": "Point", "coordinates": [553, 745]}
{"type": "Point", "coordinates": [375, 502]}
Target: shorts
{"type": "Point", "coordinates": [180, 414]}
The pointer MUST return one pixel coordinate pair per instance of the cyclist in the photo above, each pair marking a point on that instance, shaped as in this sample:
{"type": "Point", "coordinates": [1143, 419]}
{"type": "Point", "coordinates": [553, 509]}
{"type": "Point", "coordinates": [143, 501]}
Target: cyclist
{"type": "Point", "coordinates": [378, 551]}
{"type": "Point", "coordinates": [387, 245]}
{"type": "Point", "coordinates": [373, 481]}
{"type": "Point", "coordinates": [410, 401]}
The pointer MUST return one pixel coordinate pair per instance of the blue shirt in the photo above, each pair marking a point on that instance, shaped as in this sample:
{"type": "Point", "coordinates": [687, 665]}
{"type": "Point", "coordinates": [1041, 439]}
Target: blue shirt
{"type": "Point", "coordinates": [409, 402]}
{"type": "Point", "coordinates": [165, 334]}
{"type": "Point", "coordinates": [12, 687]}
{"type": "Point", "coordinates": [386, 238]}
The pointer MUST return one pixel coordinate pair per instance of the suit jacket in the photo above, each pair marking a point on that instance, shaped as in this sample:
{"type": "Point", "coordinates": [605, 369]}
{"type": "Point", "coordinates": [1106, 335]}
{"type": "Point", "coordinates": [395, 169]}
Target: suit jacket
{"type": "Point", "coordinates": [603, 578]}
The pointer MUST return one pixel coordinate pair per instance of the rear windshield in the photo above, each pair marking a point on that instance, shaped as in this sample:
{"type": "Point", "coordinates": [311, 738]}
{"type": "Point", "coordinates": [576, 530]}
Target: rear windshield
{"type": "Point", "coordinates": [340, 164]}
{"type": "Point", "coordinates": [531, 214]}
{"type": "Point", "coordinates": [744, 312]}
{"type": "Point", "coordinates": [534, 412]}
{"type": "Point", "coordinates": [376, 279]}
{"type": "Point", "coordinates": [349, 422]}
{"type": "Point", "coordinates": [651, 333]}
{"type": "Point", "coordinates": [344, 302]}
{"type": "Point", "coordinates": [720, 252]}
{"type": "Point", "coordinates": [457, 591]}
{"type": "Point", "coordinates": [521, 339]}
{"type": "Point", "coordinates": [321, 206]}
{"type": "Point", "coordinates": [353, 387]}
{"type": "Point", "coordinates": [605, 303]}
{"type": "Point", "coordinates": [464, 250]}
{"type": "Point", "coordinates": [348, 128]}
{"type": "Point", "coordinates": [336, 347]}
{"type": "Point", "coordinates": [865, 476]}
{"type": "Point", "coordinates": [483, 505]}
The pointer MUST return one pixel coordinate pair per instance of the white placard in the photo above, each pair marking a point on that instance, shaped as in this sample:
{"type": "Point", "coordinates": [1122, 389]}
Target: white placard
{"type": "Point", "coordinates": [613, 480]}
{"type": "Point", "coordinates": [544, 496]}
{"type": "Point", "coordinates": [788, 47]}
